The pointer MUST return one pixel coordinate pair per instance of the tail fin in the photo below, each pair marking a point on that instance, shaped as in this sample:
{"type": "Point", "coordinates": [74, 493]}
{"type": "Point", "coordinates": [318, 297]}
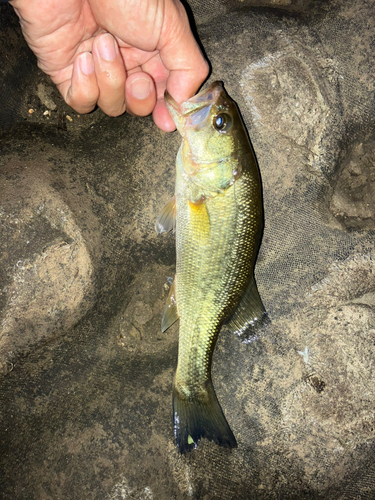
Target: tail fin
{"type": "Point", "coordinates": [194, 419]}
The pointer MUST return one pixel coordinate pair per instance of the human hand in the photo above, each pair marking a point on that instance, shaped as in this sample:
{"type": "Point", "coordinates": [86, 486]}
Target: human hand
{"type": "Point", "coordinates": [118, 54]}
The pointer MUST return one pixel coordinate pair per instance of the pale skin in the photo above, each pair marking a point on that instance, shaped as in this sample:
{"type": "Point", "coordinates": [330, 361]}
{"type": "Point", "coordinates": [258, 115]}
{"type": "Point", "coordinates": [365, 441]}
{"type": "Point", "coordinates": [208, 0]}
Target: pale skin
{"type": "Point", "coordinates": [118, 54]}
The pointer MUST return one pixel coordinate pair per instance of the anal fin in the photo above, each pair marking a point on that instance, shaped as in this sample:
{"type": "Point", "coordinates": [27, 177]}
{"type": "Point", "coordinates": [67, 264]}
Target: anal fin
{"type": "Point", "coordinates": [249, 316]}
{"type": "Point", "coordinates": [170, 313]}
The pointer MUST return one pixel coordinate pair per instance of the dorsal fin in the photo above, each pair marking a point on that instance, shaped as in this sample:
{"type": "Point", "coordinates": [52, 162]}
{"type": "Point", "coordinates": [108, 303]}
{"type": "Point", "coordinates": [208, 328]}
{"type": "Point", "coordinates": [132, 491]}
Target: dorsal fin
{"type": "Point", "coordinates": [170, 313]}
{"type": "Point", "coordinates": [167, 218]}
{"type": "Point", "coordinates": [249, 315]}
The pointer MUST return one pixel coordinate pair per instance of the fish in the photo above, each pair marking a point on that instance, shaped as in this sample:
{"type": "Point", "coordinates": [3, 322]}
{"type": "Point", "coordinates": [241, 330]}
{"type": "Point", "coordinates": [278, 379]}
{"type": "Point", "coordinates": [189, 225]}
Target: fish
{"type": "Point", "coordinates": [217, 216]}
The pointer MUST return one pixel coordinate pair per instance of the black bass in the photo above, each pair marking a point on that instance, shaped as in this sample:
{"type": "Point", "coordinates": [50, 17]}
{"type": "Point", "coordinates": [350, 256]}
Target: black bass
{"type": "Point", "coordinates": [217, 215]}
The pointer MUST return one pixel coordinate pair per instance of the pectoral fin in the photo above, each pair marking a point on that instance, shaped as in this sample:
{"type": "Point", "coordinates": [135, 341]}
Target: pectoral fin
{"type": "Point", "coordinates": [170, 314]}
{"type": "Point", "coordinates": [199, 218]}
{"type": "Point", "coordinates": [249, 315]}
{"type": "Point", "coordinates": [167, 218]}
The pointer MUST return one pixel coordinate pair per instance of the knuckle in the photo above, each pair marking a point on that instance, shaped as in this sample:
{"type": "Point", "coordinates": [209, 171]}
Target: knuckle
{"type": "Point", "coordinates": [82, 102]}
{"type": "Point", "coordinates": [111, 106]}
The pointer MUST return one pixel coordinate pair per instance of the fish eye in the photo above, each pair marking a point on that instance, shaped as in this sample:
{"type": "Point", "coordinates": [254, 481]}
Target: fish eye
{"type": "Point", "coordinates": [222, 122]}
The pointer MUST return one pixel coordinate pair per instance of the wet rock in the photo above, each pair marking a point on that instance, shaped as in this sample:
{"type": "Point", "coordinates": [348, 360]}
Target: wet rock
{"type": "Point", "coordinates": [46, 266]}
{"type": "Point", "coordinates": [84, 277]}
{"type": "Point", "coordinates": [353, 197]}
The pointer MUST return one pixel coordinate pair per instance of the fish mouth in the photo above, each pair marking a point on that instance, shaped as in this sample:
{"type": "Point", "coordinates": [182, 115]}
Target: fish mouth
{"type": "Point", "coordinates": [196, 109]}
{"type": "Point", "coordinates": [204, 98]}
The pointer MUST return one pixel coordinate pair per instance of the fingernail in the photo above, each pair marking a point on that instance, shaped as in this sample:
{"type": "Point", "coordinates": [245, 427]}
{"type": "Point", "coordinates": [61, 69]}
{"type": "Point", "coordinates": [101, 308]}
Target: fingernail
{"type": "Point", "coordinates": [106, 47]}
{"type": "Point", "coordinates": [140, 88]}
{"type": "Point", "coordinates": [86, 63]}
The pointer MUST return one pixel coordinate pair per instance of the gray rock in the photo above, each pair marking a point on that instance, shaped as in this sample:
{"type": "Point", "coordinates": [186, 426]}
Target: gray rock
{"type": "Point", "coordinates": [86, 385]}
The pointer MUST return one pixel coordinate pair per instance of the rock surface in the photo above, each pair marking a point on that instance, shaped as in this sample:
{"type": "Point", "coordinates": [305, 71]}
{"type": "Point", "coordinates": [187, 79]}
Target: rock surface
{"type": "Point", "coordinates": [86, 373]}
